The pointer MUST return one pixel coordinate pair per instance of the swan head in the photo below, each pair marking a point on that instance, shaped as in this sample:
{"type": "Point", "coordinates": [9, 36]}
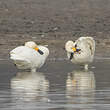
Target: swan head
{"type": "Point", "coordinates": [70, 47]}
{"type": "Point", "coordinates": [33, 45]}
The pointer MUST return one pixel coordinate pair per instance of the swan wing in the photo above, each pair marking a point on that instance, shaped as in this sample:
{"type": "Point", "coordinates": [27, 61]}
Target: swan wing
{"type": "Point", "coordinates": [26, 57]}
{"type": "Point", "coordinates": [89, 41]}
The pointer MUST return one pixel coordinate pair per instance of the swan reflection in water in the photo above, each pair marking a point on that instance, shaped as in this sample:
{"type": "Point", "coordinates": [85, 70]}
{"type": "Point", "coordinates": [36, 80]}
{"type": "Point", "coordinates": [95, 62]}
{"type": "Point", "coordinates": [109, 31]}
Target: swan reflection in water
{"type": "Point", "coordinates": [29, 86]}
{"type": "Point", "coordinates": [80, 86]}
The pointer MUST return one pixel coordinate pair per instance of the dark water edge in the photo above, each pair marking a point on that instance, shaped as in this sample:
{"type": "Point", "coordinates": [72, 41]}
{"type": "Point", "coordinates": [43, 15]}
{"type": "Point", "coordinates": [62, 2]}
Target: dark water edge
{"type": "Point", "coordinates": [59, 85]}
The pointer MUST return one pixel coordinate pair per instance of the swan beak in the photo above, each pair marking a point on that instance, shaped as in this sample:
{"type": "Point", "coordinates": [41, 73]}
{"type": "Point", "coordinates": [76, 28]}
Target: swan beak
{"type": "Point", "coordinates": [37, 49]}
{"type": "Point", "coordinates": [74, 49]}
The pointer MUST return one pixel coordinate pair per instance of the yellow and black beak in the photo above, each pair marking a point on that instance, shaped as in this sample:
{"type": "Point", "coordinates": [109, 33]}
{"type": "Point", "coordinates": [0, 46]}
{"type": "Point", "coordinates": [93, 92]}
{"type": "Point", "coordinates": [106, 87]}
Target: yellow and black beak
{"type": "Point", "coordinates": [37, 49]}
{"type": "Point", "coordinates": [75, 49]}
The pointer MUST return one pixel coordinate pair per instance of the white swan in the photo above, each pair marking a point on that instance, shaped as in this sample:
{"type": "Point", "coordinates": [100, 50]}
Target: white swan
{"type": "Point", "coordinates": [81, 51]}
{"type": "Point", "coordinates": [30, 56]}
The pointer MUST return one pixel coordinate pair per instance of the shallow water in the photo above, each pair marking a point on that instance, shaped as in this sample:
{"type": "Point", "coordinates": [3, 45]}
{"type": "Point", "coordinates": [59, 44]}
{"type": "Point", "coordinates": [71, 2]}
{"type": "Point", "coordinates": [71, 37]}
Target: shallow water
{"type": "Point", "coordinates": [59, 85]}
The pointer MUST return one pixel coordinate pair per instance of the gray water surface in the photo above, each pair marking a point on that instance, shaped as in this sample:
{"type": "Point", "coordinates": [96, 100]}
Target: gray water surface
{"type": "Point", "coordinates": [58, 85]}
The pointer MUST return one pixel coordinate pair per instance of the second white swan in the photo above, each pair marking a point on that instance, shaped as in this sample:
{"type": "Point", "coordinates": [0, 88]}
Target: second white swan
{"type": "Point", "coordinates": [81, 51]}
